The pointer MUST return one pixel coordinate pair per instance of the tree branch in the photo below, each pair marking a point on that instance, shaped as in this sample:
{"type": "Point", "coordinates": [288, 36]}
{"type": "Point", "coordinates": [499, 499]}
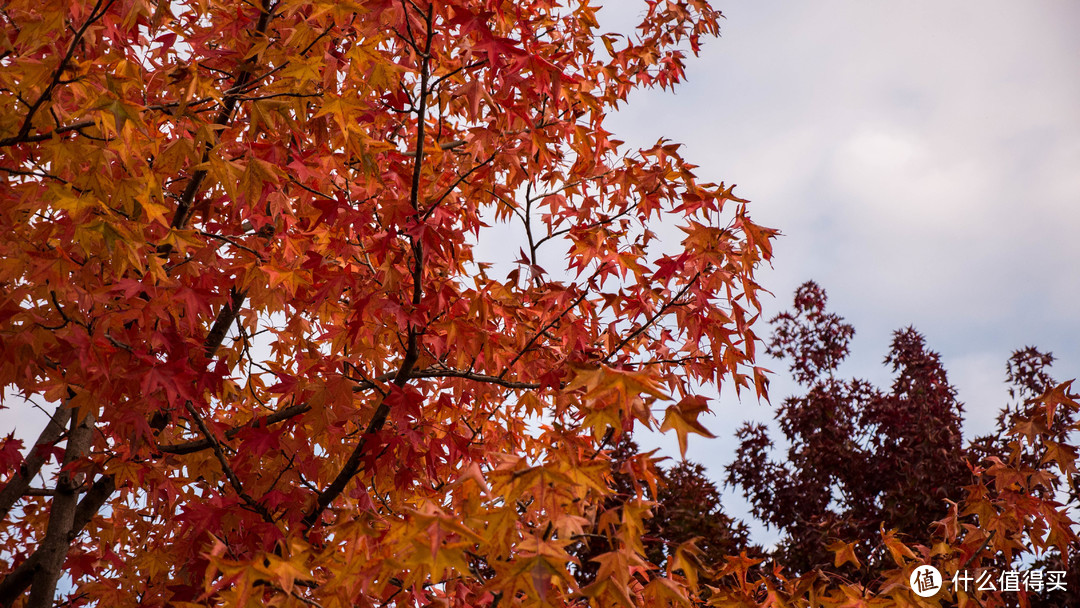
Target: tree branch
{"type": "Point", "coordinates": [602, 222]}
{"type": "Point", "coordinates": [16, 582]}
{"type": "Point", "coordinates": [451, 73]}
{"type": "Point", "coordinates": [228, 106]}
{"type": "Point", "coordinates": [16, 487]}
{"type": "Point", "coordinates": [543, 330]}
{"type": "Point", "coordinates": [441, 372]}
{"type": "Point", "coordinates": [221, 324]}
{"type": "Point", "coordinates": [232, 242]}
{"type": "Point", "coordinates": [198, 445]}
{"type": "Point", "coordinates": [190, 447]}
{"type": "Point", "coordinates": [67, 516]}
{"type": "Point", "coordinates": [59, 533]}
{"type": "Point", "coordinates": [23, 136]}
{"type": "Point", "coordinates": [31, 139]}
{"type": "Point", "coordinates": [226, 468]}
{"type": "Point", "coordinates": [461, 178]}
{"type": "Point", "coordinates": [656, 315]}
{"type": "Point", "coordinates": [412, 351]}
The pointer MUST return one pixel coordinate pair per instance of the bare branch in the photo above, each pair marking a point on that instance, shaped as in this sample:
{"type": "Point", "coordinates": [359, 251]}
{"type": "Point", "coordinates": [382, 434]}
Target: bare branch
{"type": "Point", "coordinates": [449, 145]}
{"type": "Point", "coordinates": [30, 139]}
{"type": "Point", "coordinates": [232, 242]}
{"type": "Point", "coordinates": [595, 224]}
{"type": "Point", "coordinates": [451, 73]}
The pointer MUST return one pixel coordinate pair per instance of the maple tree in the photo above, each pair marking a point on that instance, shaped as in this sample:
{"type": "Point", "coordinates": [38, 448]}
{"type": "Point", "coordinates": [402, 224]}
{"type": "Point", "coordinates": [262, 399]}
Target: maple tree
{"type": "Point", "coordinates": [240, 269]}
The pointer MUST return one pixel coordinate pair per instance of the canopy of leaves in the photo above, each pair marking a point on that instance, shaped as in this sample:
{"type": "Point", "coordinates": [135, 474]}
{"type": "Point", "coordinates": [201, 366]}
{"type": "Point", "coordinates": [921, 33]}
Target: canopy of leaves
{"type": "Point", "coordinates": [238, 265]}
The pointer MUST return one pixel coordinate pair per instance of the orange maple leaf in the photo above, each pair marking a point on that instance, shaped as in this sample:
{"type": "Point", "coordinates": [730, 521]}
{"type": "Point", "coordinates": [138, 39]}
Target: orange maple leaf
{"type": "Point", "coordinates": [683, 419]}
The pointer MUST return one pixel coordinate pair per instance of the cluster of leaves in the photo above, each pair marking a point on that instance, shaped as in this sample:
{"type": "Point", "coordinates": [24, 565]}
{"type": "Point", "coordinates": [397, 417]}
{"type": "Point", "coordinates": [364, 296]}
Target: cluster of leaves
{"type": "Point", "coordinates": [238, 269]}
{"type": "Point", "coordinates": [1047, 443]}
{"type": "Point", "coordinates": [687, 527]}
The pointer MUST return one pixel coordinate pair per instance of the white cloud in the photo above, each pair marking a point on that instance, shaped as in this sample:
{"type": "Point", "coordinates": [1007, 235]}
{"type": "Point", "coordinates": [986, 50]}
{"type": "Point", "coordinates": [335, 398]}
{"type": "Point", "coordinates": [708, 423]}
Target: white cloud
{"type": "Point", "coordinates": [923, 161]}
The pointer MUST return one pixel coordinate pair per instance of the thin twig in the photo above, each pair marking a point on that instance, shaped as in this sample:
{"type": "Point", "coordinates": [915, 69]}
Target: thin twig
{"type": "Point", "coordinates": [234, 481]}
{"type": "Point", "coordinates": [656, 315]}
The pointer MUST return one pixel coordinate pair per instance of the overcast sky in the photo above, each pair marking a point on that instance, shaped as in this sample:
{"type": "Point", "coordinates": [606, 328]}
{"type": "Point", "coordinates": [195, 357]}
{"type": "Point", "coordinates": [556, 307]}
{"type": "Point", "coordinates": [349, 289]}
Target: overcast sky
{"type": "Point", "coordinates": [922, 160]}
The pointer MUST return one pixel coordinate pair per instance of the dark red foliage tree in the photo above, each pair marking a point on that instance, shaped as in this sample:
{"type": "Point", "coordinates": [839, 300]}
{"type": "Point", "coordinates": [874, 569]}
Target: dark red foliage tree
{"type": "Point", "coordinates": [689, 508]}
{"type": "Point", "coordinates": [859, 457]}
{"type": "Point", "coordinates": [688, 517]}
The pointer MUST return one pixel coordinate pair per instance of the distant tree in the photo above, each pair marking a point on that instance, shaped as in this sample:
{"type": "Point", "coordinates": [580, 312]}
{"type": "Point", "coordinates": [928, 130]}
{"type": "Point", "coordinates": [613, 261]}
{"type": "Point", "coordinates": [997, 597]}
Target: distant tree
{"type": "Point", "coordinates": [689, 508]}
{"type": "Point", "coordinates": [688, 521]}
{"type": "Point", "coordinates": [860, 458]}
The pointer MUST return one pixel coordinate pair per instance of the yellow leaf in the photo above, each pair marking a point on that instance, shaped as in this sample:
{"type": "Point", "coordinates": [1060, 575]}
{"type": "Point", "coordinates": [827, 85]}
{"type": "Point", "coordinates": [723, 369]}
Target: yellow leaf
{"type": "Point", "coordinates": [154, 212]}
{"type": "Point", "coordinates": [663, 591]}
{"type": "Point", "coordinates": [689, 558]}
{"type": "Point", "coordinates": [897, 549]}
{"type": "Point", "coordinates": [304, 69]}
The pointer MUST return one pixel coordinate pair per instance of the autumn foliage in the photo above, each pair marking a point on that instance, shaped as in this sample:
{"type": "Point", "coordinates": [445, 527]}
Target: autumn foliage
{"type": "Point", "coordinates": [240, 269]}
{"type": "Point", "coordinates": [280, 274]}
{"type": "Point", "coordinates": [876, 481]}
